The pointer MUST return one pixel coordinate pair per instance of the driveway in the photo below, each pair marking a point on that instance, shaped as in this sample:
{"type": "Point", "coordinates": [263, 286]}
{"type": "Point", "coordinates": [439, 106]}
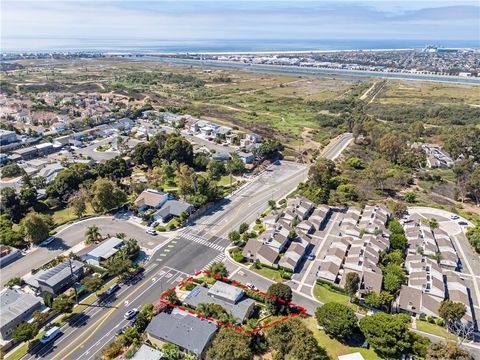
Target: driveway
{"type": "Point", "coordinates": [470, 261]}
{"type": "Point", "coordinates": [73, 234]}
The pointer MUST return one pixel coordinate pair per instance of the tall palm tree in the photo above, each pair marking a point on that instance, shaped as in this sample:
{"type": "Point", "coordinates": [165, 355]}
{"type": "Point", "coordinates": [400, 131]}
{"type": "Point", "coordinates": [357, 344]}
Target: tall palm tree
{"type": "Point", "coordinates": [93, 234]}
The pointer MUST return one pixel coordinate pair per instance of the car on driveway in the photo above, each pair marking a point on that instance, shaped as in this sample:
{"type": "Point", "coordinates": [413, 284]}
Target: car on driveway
{"type": "Point", "coordinates": [130, 314]}
{"type": "Point", "coordinates": [151, 232]}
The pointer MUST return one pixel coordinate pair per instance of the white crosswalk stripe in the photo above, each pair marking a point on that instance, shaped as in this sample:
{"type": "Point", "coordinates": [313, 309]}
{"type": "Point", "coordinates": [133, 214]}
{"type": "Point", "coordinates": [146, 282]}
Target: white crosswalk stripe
{"type": "Point", "coordinates": [202, 241]}
{"type": "Point", "coordinates": [217, 258]}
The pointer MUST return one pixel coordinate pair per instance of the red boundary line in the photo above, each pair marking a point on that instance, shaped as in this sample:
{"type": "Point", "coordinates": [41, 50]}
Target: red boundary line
{"type": "Point", "coordinates": [301, 309]}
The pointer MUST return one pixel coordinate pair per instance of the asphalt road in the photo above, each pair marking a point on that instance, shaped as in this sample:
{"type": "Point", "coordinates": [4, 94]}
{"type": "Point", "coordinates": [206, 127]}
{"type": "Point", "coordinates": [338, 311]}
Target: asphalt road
{"type": "Point", "coordinates": [70, 235]}
{"type": "Point", "coordinates": [194, 249]}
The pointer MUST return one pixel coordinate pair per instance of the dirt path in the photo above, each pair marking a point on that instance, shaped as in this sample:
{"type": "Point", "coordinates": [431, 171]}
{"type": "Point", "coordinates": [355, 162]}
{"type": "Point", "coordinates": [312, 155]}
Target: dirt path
{"type": "Point", "coordinates": [365, 94]}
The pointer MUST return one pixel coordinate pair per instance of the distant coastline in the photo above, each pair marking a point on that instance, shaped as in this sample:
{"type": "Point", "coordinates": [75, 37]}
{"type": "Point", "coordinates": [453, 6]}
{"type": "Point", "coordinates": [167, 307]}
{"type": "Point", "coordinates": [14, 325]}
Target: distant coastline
{"type": "Point", "coordinates": [306, 71]}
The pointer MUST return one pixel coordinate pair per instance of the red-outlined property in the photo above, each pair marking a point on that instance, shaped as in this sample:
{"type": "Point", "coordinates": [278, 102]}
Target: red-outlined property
{"type": "Point", "coordinates": [299, 310]}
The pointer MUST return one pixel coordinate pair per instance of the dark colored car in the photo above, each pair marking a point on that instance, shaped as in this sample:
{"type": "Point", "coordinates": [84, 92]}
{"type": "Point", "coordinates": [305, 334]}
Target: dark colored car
{"type": "Point", "coordinates": [138, 271]}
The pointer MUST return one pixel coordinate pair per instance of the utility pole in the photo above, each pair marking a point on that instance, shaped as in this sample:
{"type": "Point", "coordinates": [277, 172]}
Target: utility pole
{"type": "Point", "coordinates": [73, 277]}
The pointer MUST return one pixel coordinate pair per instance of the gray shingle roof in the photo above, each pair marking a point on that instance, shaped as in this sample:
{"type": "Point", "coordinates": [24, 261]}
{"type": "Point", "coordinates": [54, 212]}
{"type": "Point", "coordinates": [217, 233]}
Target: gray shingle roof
{"type": "Point", "coordinates": [107, 248]}
{"type": "Point", "coordinates": [14, 304]}
{"type": "Point", "coordinates": [183, 329]}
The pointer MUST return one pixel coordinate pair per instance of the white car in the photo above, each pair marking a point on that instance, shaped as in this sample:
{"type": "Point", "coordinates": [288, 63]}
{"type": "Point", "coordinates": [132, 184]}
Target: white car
{"type": "Point", "coordinates": [151, 232]}
{"type": "Point", "coordinates": [49, 240]}
{"type": "Point", "coordinates": [251, 286]}
{"type": "Point", "coordinates": [130, 314]}
{"type": "Point", "coordinates": [454, 217]}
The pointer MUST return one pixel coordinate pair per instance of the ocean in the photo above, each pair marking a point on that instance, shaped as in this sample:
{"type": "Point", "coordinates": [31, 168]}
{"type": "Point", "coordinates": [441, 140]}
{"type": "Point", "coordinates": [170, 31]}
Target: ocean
{"type": "Point", "coordinates": [193, 46]}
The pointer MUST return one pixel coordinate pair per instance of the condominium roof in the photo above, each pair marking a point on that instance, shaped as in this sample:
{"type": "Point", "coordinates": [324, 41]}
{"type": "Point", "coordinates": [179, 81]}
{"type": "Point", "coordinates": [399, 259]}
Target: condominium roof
{"type": "Point", "coordinates": [14, 304]}
{"type": "Point", "coordinates": [183, 329]}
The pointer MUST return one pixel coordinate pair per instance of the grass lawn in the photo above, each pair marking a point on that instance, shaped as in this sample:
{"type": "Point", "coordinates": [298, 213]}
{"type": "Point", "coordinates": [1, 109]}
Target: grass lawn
{"type": "Point", "coordinates": [269, 273]}
{"type": "Point", "coordinates": [225, 180]}
{"type": "Point", "coordinates": [334, 347]}
{"type": "Point", "coordinates": [325, 295]}
{"type": "Point", "coordinates": [434, 329]}
{"type": "Point", "coordinates": [65, 215]}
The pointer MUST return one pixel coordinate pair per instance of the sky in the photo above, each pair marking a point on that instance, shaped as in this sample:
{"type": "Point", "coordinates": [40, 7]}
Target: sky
{"type": "Point", "coordinates": [42, 23]}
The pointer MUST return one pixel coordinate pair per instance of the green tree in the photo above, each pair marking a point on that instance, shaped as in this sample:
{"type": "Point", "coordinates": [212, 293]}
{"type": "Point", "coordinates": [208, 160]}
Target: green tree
{"type": "Point", "coordinates": [106, 195]}
{"type": "Point", "coordinates": [92, 283]}
{"type": "Point", "coordinates": [399, 209]}
{"type": "Point", "coordinates": [216, 169]}
{"type": "Point", "coordinates": [447, 350]}
{"type": "Point", "coordinates": [352, 281]}
{"type": "Point", "coordinates": [380, 301]}
{"type": "Point", "coordinates": [36, 227]}
{"type": "Point", "coordinates": [393, 278]}
{"type": "Point", "coordinates": [25, 332]}
{"type": "Point", "coordinates": [171, 351]}
{"type": "Point", "coordinates": [410, 197]}
{"type": "Point", "coordinates": [291, 339]}
{"type": "Point", "coordinates": [278, 297]}
{"type": "Point", "coordinates": [78, 202]}
{"type": "Point", "coordinates": [451, 312]}
{"type": "Point", "coordinates": [234, 236]}
{"type": "Point", "coordinates": [229, 344]}
{"type": "Point", "coordinates": [337, 320]}
{"type": "Point", "coordinates": [8, 236]}
{"type": "Point", "coordinates": [235, 165]}
{"type": "Point", "coordinates": [92, 234]}
{"type": "Point", "coordinates": [12, 170]}
{"type": "Point", "coordinates": [378, 172]}
{"type": "Point", "coordinates": [355, 163]}
{"type": "Point", "coordinates": [62, 304]}
{"type": "Point", "coordinates": [10, 204]}
{"type": "Point", "coordinates": [387, 334]}
{"type": "Point", "coordinates": [473, 235]}
{"type": "Point", "coordinates": [119, 264]}
{"type": "Point", "coordinates": [218, 268]}
{"type": "Point", "coordinates": [14, 281]}
{"type": "Point", "coordinates": [242, 228]}
{"type": "Point", "coordinates": [272, 204]}
{"type": "Point", "coordinates": [398, 242]}
{"type": "Point", "coordinates": [473, 184]}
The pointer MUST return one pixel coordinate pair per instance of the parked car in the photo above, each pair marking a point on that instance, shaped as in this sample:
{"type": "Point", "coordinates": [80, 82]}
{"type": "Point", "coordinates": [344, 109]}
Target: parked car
{"type": "Point", "coordinates": [50, 335]}
{"type": "Point", "coordinates": [454, 217]}
{"type": "Point", "coordinates": [311, 257]}
{"type": "Point", "coordinates": [121, 330]}
{"type": "Point", "coordinates": [151, 232]}
{"type": "Point", "coordinates": [112, 289]}
{"type": "Point", "coordinates": [462, 223]}
{"type": "Point", "coordinates": [138, 271]}
{"type": "Point", "coordinates": [155, 224]}
{"type": "Point", "coordinates": [130, 314]}
{"type": "Point", "coordinates": [251, 286]}
{"type": "Point", "coordinates": [49, 240]}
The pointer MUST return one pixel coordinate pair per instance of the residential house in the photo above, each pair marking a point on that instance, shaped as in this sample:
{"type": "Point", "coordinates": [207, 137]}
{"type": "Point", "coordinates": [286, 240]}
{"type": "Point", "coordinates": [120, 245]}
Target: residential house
{"type": "Point", "coordinates": [15, 307]}
{"type": "Point", "coordinates": [229, 297]}
{"type": "Point", "coordinates": [59, 278]}
{"type": "Point", "coordinates": [50, 172]}
{"type": "Point", "coordinates": [247, 158]}
{"type": "Point", "coordinates": [172, 208]}
{"type": "Point", "coordinates": [294, 254]}
{"type": "Point", "coordinates": [8, 255]}
{"type": "Point", "coordinates": [146, 352]}
{"type": "Point", "coordinates": [150, 199]}
{"type": "Point", "coordinates": [7, 137]}
{"type": "Point", "coordinates": [105, 250]}
{"type": "Point", "coordinates": [190, 333]}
